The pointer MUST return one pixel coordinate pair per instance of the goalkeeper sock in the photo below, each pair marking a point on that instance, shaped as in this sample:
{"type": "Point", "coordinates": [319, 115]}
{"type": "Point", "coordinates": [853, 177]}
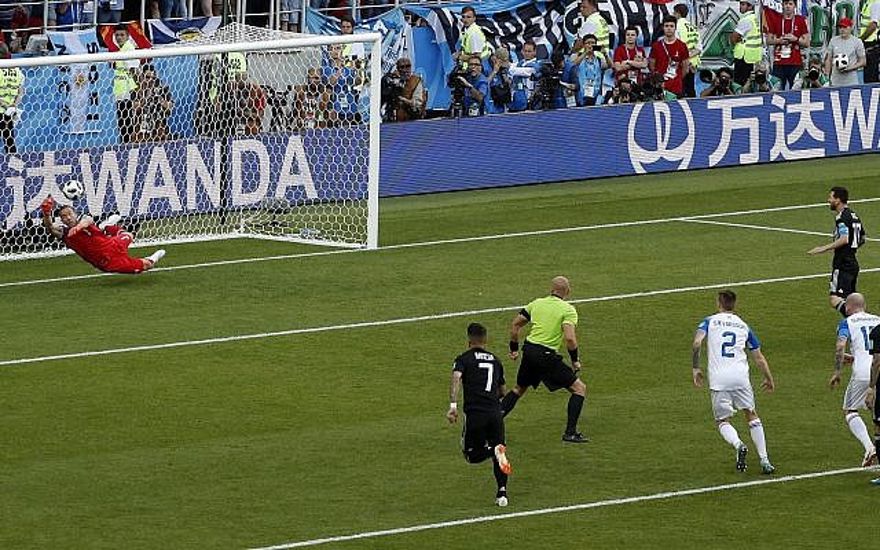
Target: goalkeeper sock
{"type": "Point", "coordinates": [156, 256]}
{"type": "Point", "coordinates": [509, 402]}
{"type": "Point", "coordinates": [729, 434]}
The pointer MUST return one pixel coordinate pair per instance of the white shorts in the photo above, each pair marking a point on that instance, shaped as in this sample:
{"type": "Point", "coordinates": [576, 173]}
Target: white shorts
{"type": "Point", "coordinates": [725, 403]}
{"type": "Point", "coordinates": [856, 392]}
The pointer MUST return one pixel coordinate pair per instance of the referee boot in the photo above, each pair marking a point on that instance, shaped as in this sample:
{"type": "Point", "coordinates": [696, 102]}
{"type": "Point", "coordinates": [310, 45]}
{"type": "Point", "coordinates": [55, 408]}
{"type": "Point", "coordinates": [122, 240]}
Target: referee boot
{"type": "Point", "coordinates": [501, 498]}
{"type": "Point", "coordinates": [574, 437]}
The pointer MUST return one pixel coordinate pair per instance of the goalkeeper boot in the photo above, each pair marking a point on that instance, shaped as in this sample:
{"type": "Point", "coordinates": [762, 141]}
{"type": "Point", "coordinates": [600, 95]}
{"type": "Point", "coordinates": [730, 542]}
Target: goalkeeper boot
{"type": "Point", "coordinates": [501, 457]}
{"type": "Point", "coordinates": [741, 453]}
{"type": "Point", "coordinates": [501, 498]}
{"type": "Point", "coordinates": [766, 467]}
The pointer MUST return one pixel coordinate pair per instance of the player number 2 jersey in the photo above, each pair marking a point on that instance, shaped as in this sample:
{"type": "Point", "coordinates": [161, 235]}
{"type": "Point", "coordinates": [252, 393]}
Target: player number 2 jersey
{"type": "Point", "coordinates": [857, 330]}
{"type": "Point", "coordinates": [727, 338]}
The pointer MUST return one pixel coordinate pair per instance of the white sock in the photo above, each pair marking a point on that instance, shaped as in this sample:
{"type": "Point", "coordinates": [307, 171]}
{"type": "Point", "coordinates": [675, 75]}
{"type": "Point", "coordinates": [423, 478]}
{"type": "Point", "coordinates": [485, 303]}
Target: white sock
{"type": "Point", "coordinates": [156, 256]}
{"type": "Point", "coordinates": [756, 429]}
{"type": "Point", "coordinates": [729, 434]}
{"type": "Point", "coordinates": [858, 429]}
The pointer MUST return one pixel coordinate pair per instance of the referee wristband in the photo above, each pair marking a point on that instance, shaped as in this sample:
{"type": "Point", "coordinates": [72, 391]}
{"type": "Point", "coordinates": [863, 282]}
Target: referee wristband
{"type": "Point", "coordinates": [573, 353]}
{"type": "Point", "coordinates": [514, 345]}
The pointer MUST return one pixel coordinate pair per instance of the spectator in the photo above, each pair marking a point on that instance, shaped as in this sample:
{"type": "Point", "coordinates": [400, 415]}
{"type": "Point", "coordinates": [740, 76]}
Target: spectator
{"type": "Point", "coordinates": [473, 39]}
{"type": "Point", "coordinates": [669, 58]}
{"type": "Point", "coordinates": [787, 37]}
{"type": "Point", "coordinates": [290, 15]}
{"type": "Point", "coordinates": [500, 82]}
{"type": "Point", "coordinates": [311, 102]}
{"type": "Point", "coordinates": [11, 92]}
{"type": "Point", "coordinates": [244, 104]}
{"type": "Point", "coordinates": [523, 73]}
{"type": "Point", "coordinates": [342, 81]}
{"type": "Point", "coordinates": [172, 8]}
{"type": "Point", "coordinates": [813, 77]}
{"type": "Point", "coordinates": [630, 61]}
{"type": "Point", "coordinates": [475, 88]}
{"type": "Point", "coordinates": [760, 81]}
{"type": "Point", "coordinates": [592, 23]}
{"type": "Point", "coordinates": [687, 32]}
{"type": "Point", "coordinates": [124, 84]}
{"type": "Point", "coordinates": [721, 83]}
{"type": "Point", "coordinates": [746, 40]}
{"type": "Point", "coordinates": [589, 68]}
{"type": "Point", "coordinates": [110, 11]}
{"type": "Point", "coordinates": [845, 55]}
{"type": "Point", "coordinates": [354, 54]}
{"type": "Point", "coordinates": [152, 104]}
{"type": "Point", "coordinates": [623, 92]}
{"type": "Point", "coordinates": [563, 70]}
{"type": "Point", "coordinates": [403, 93]}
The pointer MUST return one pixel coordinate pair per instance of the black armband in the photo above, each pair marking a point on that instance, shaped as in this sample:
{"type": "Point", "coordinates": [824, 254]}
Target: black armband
{"type": "Point", "coordinates": [525, 314]}
{"type": "Point", "coordinates": [514, 346]}
{"type": "Point", "coordinates": [573, 353]}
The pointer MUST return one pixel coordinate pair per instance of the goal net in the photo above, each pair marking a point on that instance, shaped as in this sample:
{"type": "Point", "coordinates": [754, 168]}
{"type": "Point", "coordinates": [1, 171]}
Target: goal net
{"type": "Point", "coordinates": [246, 133]}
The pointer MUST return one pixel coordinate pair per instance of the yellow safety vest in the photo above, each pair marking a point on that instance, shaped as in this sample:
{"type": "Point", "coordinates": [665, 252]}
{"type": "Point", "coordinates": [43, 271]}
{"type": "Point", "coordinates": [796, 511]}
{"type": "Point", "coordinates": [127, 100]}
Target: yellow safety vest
{"type": "Point", "coordinates": [603, 35]}
{"type": "Point", "coordinates": [10, 83]}
{"type": "Point", "coordinates": [749, 48]}
{"type": "Point", "coordinates": [236, 64]}
{"type": "Point", "coordinates": [690, 36]}
{"type": "Point", "coordinates": [123, 82]}
{"type": "Point", "coordinates": [865, 20]}
{"type": "Point", "coordinates": [468, 36]}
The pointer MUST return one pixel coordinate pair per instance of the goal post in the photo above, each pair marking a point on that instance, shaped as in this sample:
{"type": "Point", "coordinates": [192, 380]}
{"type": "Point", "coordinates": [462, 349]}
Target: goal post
{"type": "Point", "coordinates": [249, 133]}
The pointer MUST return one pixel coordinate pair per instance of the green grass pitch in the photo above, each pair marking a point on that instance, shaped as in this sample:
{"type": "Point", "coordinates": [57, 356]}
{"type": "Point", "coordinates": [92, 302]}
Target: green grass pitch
{"type": "Point", "coordinates": [303, 436]}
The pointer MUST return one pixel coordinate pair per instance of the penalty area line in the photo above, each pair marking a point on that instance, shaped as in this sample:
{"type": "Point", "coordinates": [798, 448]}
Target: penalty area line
{"type": "Point", "coordinates": [562, 509]}
{"type": "Point", "coordinates": [404, 320]}
{"type": "Point", "coordinates": [459, 240]}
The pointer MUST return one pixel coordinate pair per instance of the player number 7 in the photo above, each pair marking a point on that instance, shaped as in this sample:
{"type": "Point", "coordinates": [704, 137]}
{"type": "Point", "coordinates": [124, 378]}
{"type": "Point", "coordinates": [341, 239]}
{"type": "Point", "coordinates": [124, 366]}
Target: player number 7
{"type": "Point", "coordinates": [490, 368]}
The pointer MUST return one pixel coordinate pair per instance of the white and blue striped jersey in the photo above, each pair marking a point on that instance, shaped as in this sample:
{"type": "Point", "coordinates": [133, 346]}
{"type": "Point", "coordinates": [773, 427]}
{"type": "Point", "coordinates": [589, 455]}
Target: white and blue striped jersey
{"type": "Point", "coordinates": [727, 338]}
{"type": "Point", "coordinates": [857, 329]}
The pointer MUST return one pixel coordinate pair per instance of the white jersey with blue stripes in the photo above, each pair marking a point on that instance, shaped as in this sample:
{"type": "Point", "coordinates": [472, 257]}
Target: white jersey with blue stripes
{"type": "Point", "coordinates": [727, 338]}
{"type": "Point", "coordinates": [857, 329]}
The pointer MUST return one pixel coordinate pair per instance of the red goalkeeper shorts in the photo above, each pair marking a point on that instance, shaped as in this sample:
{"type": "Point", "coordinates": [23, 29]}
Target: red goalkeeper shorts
{"type": "Point", "coordinates": [118, 261]}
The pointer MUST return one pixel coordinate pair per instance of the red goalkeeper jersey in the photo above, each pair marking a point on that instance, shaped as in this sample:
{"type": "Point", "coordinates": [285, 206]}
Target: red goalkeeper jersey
{"type": "Point", "coordinates": [92, 245]}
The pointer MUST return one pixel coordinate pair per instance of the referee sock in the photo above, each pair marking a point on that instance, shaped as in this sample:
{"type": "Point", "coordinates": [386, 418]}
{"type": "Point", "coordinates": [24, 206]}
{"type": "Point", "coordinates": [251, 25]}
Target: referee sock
{"type": "Point", "coordinates": [857, 427]}
{"type": "Point", "coordinates": [877, 444]}
{"type": "Point", "coordinates": [508, 402]}
{"type": "Point", "coordinates": [575, 404]}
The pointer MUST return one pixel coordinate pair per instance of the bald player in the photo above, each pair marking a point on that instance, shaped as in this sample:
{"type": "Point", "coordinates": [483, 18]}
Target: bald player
{"type": "Point", "coordinates": [855, 330]}
{"type": "Point", "coordinates": [553, 322]}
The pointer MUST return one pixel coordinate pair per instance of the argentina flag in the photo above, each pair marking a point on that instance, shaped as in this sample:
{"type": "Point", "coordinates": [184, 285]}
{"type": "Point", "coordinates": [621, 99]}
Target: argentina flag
{"type": "Point", "coordinates": [163, 33]}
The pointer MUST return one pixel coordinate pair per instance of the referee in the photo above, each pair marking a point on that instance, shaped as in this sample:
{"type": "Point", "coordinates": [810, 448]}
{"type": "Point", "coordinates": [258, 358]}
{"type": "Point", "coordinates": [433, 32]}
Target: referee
{"type": "Point", "coordinates": [553, 321]}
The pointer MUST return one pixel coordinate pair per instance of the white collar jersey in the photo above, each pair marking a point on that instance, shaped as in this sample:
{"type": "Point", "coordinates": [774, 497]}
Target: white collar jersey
{"type": "Point", "coordinates": [727, 339]}
{"type": "Point", "coordinates": [856, 329]}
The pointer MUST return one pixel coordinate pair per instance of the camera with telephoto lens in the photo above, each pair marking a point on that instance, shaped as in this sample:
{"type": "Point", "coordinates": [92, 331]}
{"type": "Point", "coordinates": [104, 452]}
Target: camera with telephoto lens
{"type": "Point", "coordinates": [456, 110]}
{"type": "Point", "coordinates": [392, 89]}
{"type": "Point", "coordinates": [652, 88]}
{"type": "Point", "coordinates": [813, 73]}
{"type": "Point", "coordinates": [547, 81]}
{"type": "Point", "coordinates": [760, 78]}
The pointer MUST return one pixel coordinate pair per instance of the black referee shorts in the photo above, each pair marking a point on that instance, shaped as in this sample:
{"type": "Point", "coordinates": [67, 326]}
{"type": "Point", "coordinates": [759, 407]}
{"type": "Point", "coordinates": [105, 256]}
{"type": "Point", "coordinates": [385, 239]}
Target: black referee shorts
{"type": "Point", "coordinates": [877, 405]}
{"type": "Point", "coordinates": [843, 282]}
{"type": "Point", "coordinates": [542, 364]}
{"type": "Point", "coordinates": [481, 429]}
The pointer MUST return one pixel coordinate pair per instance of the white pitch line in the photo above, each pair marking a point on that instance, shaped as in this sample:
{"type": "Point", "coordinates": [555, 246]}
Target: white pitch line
{"type": "Point", "coordinates": [561, 509]}
{"type": "Point", "coordinates": [420, 244]}
{"type": "Point", "coordinates": [763, 228]}
{"type": "Point", "coordinates": [401, 320]}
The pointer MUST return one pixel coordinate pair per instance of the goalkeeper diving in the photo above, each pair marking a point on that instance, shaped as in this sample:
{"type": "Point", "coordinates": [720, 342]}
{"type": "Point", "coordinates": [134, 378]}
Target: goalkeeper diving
{"type": "Point", "coordinates": [104, 246]}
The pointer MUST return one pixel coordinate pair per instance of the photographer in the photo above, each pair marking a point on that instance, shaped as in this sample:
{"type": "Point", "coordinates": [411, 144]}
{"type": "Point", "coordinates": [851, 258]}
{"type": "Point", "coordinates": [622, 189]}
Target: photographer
{"type": "Point", "coordinates": [589, 67]}
{"type": "Point", "coordinates": [760, 81]}
{"type": "Point", "coordinates": [403, 94]}
{"type": "Point", "coordinates": [469, 90]}
{"type": "Point", "coordinates": [522, 73]}
{"type": "Point", "coordinates": [623, 92]}
{"type": "Point", "coordinates": [720, 82]}
{"type": "Point", "coordinates": [813, 77]}
{"type": "Point", "coordinates": [500, 82]}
